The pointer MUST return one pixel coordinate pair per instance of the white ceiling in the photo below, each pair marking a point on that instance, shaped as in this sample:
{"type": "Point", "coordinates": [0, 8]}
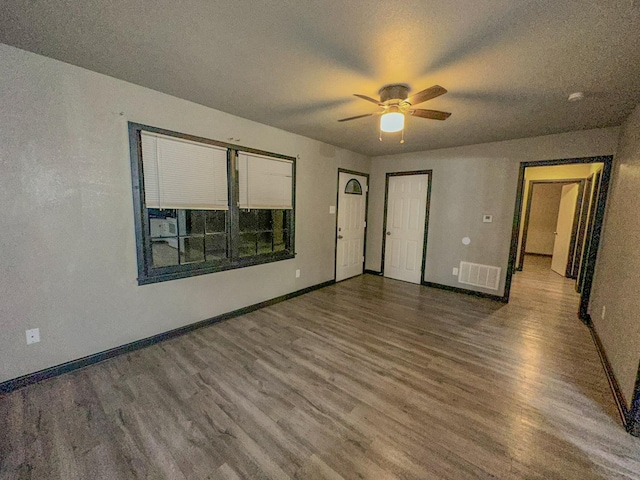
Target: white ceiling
{"type": "Point", "coordinates": [508, 65]}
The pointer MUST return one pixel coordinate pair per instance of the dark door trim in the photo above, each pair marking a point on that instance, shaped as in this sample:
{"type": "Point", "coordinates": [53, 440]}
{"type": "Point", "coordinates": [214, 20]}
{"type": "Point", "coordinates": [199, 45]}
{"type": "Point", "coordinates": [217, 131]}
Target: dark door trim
{"type": "Point", "coordinates": [590, 262]}
{"type": "Point", "coordinates": [574, 231]}
{"type": "Point", "coordinates": [366, 212]}
{"type": "Point", "coordinates": [527, 213]}
{"type": "Point", "coordinates": [582, 227]}
{"type": "Point", "coordinates": [429, 173]}
{"type": "Point", "coordinates": [589, 233]}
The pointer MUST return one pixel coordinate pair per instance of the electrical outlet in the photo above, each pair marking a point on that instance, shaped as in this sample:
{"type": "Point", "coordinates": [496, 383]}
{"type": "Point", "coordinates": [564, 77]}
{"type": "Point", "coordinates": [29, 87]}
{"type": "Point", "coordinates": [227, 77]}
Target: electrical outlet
{"type": "Point", "coordinates": [33, 336]}
{"type": "Point", "coordinates": [604, 310]}
{"type": "Point", "coordinates": [455, 271]}
{"type": "Point", "coordinates": [298, 273]}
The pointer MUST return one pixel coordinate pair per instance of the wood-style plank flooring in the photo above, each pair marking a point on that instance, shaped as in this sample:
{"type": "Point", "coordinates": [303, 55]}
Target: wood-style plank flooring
{"type": "Point", "coordinates": [370, 378]}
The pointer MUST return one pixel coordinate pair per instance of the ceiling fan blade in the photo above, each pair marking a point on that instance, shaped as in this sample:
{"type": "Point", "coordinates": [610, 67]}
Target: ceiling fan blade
{"type": "Point", "coordinates": [428, 94]}
{"type": "Point", "coordinates": [355, 118]}
{"type": "Point", "coordinates": [368, 99]}
{"type": "Point", "coordinates": [431, 114]}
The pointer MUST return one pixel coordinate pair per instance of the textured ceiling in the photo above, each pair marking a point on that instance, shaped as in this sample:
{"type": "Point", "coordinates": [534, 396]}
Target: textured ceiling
{"type": "Point", "coordinates": [508, 65]}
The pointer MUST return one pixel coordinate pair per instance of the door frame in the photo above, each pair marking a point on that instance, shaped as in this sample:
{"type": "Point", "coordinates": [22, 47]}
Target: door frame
{"type": "Point", "coordinates": [597, 179]}
{"type": "Point", "coordinates": [366, 213]}
{"type": "Point", "coordinates": [429, 174]}
{"type": "Point", "coordinates": [590, 263]}
{"type": "Point", "coordinates": [527, 213]}
{"type": "Point", "coordinates": [582, 226]}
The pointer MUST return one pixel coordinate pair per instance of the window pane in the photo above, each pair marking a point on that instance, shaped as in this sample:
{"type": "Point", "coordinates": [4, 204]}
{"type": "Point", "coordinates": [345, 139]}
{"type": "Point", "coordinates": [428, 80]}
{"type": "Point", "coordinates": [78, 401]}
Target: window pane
{"type": "Point", "coordinates": [279, 230]}
{"type": "Point", "coordinates": [264, 242]}
{"type": "Point", "coordinates": [216, 246]}
{"type": "Point", "coordinates": [263, 219]}
{"type": "Point", "coordinates": [279, 240]}
{"type": "Point", "coordinates": [353, 187]}
{"type": "Point", "coordinates": [162, 223]}
{"type": "Point", "coordinates": [247, 220]}
{"type": "Point", "coordinates": [164, 252]}
{"type": "Point", "coordinates": [191, 222]}
{"type": "Point", "coordinates": [216, 221]}
{"type": "Point", "coordinates": [278, 219]}
{"type": "Point", "coordinates": [191, 249]}
{"type": "Point", "coordinates": [247, 247]}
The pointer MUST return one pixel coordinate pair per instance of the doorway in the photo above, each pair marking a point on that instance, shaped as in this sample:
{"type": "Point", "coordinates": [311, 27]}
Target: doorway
{"type": "Point", "coordinates": [552, 226]}
{"type": "Point", "coordinates": [566, 229]}
{"type": "Point", "coordinates": [351, 223]}
{"type": "Point", "coordinates": [583, 210]}
{"type": "Point", "coordinates": [406, 217]}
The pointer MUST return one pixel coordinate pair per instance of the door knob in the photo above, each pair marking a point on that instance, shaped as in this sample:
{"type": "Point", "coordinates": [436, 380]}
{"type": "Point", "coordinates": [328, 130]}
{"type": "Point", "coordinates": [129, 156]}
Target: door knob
{"type": "Point", "coordinates": [340, 236]}
{"type": "Point", "coordinates": [388, 233]}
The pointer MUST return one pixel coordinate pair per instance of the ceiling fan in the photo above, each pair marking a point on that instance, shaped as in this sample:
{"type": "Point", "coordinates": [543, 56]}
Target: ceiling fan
{"type": "Point", "coordinates": [396, 103]}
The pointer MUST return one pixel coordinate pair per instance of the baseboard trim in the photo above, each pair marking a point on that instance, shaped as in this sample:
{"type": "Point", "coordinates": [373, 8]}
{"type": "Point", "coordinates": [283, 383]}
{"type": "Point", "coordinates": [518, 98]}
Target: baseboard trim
{"type": "Point", "coordinates": [31, 378]}
{"type": "Point", "coordinates": [618, 396]}
{"type": "Point", "coordinates": [466, 291]}
{"type": "Point", "coordinates": [633, 426]}
{"type": "Point", "coordinates": [586, 319]}
{"type": "Point", "coordinates": [372, 272]}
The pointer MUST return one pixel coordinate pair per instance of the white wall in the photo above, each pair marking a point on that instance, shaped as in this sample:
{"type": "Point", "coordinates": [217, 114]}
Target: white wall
{"type": "Point", "coordinates": [468, 182]}
{"type": "Point", "coordinates": [617, 279]}
{"type": "Point", "coordinates": [68, 258]}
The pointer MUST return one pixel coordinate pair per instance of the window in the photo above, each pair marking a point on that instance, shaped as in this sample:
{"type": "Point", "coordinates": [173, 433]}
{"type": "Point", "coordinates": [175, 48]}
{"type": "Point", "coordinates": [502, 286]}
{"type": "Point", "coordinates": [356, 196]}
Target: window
{"type": "Point", "coordinates": [204, 206]}
{"type": "Point", "coordinates": [353, 187]}
{"type": "Point", "coordinates": [263, 231]}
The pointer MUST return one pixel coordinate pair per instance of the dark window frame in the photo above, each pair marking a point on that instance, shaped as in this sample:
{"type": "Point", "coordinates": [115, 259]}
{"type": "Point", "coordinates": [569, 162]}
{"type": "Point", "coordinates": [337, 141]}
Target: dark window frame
{"type": "Point", "coordinates": [146, 272]}
{"type": "Point", "coordinates": [356, 190]}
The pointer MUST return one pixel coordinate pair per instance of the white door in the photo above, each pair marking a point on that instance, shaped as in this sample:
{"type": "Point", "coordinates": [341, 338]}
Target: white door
{"type": "Point", "coordinates": [406, 211]}
{"type": "Point", "coordinates": [352, 195]}
{"type": "Point", "coordinates": [564, 228]}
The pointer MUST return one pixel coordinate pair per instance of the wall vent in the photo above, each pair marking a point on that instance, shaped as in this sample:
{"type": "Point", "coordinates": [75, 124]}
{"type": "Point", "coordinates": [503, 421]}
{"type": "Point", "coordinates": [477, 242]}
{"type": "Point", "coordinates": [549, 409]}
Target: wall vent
{"type": "Point", "coordinates": [479, 275]}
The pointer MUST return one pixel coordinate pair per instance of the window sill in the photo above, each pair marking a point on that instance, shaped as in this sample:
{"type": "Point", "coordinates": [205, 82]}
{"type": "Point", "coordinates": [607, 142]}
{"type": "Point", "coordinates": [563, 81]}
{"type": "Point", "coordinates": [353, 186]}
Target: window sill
{"type": "Point", "coordinates": [241, 263]}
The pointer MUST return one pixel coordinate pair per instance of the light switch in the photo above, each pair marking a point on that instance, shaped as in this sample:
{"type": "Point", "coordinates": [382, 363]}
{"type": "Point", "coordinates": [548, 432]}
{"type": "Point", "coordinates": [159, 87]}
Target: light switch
{"type": "Point", "coordinates": [332, 209]}
{"type": "Point", "coordinates": [487, 218]}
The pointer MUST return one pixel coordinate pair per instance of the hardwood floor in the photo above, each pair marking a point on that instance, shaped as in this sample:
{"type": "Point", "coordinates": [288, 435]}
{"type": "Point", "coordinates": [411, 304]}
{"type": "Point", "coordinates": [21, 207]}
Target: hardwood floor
{"type": "Point", "coordinates": [369, 378]}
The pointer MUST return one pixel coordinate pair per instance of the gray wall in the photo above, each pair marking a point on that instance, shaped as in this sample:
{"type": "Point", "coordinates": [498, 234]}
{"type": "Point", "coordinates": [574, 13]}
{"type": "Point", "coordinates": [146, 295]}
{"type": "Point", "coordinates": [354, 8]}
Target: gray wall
{"type": "Point", "coordinates": [617, 278]}
{"type": "Point", "coordinates": [543, 218]}
{"type": "Point", "coordinates": [468, 182]}
{"type": "Point", "coordinates": [69, 259]}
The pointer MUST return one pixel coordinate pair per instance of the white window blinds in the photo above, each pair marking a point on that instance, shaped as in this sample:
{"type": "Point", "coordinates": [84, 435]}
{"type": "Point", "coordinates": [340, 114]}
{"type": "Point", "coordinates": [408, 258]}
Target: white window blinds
{"type": "Point", "coordinates": [183, 174]}
{"type": "Point", "coordinates": [265, 182]}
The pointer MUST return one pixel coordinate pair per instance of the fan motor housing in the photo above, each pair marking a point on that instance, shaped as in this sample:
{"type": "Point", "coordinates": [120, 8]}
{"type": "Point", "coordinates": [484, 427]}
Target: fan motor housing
{"type": "Point", "coordinates": [398, 91]}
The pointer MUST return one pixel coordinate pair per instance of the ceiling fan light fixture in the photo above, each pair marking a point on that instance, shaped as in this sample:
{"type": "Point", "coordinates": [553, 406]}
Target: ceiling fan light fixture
{"type": "Point", "coordinates": [392, 121]}
{"type": "Point", "coordinates": [396, 103]}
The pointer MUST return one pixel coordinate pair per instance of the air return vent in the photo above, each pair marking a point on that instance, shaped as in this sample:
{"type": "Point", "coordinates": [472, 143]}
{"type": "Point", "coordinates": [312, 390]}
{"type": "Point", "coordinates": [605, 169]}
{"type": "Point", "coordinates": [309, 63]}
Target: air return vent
{"type": "Point", "coordinates": [479, 275]}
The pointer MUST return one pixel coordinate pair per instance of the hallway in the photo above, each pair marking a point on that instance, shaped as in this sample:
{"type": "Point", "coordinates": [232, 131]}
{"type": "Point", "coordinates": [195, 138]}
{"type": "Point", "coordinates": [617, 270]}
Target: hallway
{"type": "Point", "coordinates": [369, 378]}
{"type": "Point", "coordinates": [537, 276]}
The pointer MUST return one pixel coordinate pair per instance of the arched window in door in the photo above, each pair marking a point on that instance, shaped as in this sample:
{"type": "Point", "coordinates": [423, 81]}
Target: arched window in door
{"type": "Point", "coordinates": [353, 187]}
